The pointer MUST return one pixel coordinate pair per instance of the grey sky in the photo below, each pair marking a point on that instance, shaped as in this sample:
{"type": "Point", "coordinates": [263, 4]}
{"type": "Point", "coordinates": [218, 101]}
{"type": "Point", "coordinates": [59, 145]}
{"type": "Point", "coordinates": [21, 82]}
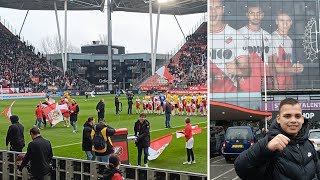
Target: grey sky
{"type": "Point", "coordinates": [129, 29]}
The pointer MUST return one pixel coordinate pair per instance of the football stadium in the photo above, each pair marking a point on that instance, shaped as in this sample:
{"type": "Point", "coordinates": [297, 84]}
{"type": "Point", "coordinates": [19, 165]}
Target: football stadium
{"type": "Point", "coordinates": [260, 52]}
{"type": "Point", "coordinates": [57, 95]}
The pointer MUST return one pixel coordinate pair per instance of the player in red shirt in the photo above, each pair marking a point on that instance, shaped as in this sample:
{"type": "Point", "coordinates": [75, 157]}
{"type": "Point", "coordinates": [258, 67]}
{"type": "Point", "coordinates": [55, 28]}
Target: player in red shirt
{"type": "Point", "coordinates": [39, 116]}
{"type": "Point", "coordinates": [189, 142]}
{"type": "Point", "coordinates": [181, 108]}
{"type": "Point", "coordinates": [138, 104]}
{"type": "Point", "coordinates": [227, 60]}
{"type": "Point", "coordinates": [256, 43]}
{"type": "Point", "coordinates": [204, 101]}
{"type": "Point", "coordinates": [158, 105]}
{"type": "Point", "coordinates": [283, 45]}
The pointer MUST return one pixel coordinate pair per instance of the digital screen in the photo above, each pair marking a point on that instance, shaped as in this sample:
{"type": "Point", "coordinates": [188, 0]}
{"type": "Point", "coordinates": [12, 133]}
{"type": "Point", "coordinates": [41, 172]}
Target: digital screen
{"type": "Point", "coordinates": [263, 45]}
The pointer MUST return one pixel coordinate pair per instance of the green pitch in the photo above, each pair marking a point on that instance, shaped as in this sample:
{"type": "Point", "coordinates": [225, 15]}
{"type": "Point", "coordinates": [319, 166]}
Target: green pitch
{"type": "Point", "coordinates": [68, 144]}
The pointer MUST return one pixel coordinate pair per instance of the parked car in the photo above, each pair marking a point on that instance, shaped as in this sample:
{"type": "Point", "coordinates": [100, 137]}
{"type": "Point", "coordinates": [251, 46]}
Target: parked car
{"type": "Point", "coordinates": [217, 135]}
{"type": "Point", "coordinates": [237, 140]}
{"type": "Point", "coordinates": [314, 137]}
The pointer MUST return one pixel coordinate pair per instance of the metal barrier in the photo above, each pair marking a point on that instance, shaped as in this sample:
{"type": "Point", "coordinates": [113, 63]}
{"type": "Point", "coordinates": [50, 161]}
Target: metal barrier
{"type": "Point", "coordinates": [76, 169]}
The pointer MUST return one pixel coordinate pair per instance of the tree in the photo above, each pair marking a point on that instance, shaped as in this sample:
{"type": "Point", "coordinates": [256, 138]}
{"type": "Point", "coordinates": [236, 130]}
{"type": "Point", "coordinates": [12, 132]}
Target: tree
{"type": "Point", "coordinates": [50, 45]}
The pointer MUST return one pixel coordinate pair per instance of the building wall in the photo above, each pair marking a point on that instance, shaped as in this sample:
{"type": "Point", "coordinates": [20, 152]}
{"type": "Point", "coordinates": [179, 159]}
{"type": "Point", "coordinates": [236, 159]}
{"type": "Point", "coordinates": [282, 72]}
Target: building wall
{"type": "Point", "coordinates": [238, 58]}
{"type": "Point", "coordinates": [94, 67]}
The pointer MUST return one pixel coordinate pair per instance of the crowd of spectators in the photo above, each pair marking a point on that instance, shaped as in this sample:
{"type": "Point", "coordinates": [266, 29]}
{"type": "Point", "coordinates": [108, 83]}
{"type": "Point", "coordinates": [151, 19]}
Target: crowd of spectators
{"type": "Point", "coordinates": [190, 67]}
{"type": "Point", "coordinates": [21, 67]}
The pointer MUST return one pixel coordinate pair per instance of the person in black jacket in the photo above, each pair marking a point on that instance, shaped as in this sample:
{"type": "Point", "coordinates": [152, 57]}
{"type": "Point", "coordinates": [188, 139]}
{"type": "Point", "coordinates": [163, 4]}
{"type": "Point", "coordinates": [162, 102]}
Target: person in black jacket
{"type": "Point", "coordinates": [106, 131]}
{"type": "Point", "coordinates": [15, 135]}
{"type": "Point", "coordinates": [168, 113]}
{"type": "Point", "coordinates": [39, 154]}
{"type": "Point", "coordinates": [86, 139]}
{"type": "Point", "coordinates": [116, 103]}
{"type": "Point", "coordinates": [285, 152]}
{"type": "Point", "coordinates": [130, 102]}
{"type": "Point", "coordinates": [142, 132]}
{"type": "Point", "coordinates": [113, 172]}
{"type": "Point", "coordinates": [100, 109]}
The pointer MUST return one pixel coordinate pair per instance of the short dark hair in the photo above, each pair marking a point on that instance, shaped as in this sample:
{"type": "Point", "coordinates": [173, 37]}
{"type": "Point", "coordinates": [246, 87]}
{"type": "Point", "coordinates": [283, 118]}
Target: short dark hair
{"type": "Point", "coordinates": [286, 101]}
{"type": "Point", "coordinates": [143, 114]}
{"type": "Point", "coordinates": [90, 119]}
{"type": "Point", "coordinates": [34, 131]}
{"type": "Point", "coordinates": [254, 4]}
{"type": "Point", "coordinates": [282, 12]}
{"type": "Point", "coordinates": [187, 120]}
{"type": "Point", "coordinates": [114, 161]}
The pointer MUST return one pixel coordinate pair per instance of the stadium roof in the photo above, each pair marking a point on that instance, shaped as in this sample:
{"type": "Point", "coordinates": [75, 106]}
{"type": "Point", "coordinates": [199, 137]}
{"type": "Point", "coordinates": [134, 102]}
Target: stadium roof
{"type": "Point", "coordinates": [49, 4]}
{"type": "Point", "coordinates": [225, 111]}
{"type": "Point", "coordinates": [176, 7]}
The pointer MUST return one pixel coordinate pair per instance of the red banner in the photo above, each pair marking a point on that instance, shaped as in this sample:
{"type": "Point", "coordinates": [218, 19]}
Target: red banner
{"type": "Point", "coordinates": [197, 88]}
{"type": "Point", "coordinates": [160, 88]}
{"type": "Point", "coordinates": [163, 88]}
{"type": "Point", "coordinates": [7, 111]}
{"type": "Point", "coordinates": [158, 145]}
{"type": "Point", "coordinates": [188, 92]}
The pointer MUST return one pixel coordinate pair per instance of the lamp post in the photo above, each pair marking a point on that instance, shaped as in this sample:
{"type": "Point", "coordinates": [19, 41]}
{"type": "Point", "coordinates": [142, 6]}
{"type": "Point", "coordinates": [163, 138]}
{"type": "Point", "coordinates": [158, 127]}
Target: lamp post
{"type": "Point", "coordinates": [265, 81]}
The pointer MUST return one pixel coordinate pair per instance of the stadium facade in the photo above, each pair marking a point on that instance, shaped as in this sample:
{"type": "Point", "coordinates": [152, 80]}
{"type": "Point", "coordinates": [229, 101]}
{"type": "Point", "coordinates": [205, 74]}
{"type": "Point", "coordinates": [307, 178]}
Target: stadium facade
{"type": "Point", "coordinates": [264, 48]}
{"type": "Point", "coordinates": [93, 65]}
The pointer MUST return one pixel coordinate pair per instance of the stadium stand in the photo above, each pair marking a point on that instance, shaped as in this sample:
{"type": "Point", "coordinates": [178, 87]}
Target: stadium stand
{"type": "Point", "coordinates": [21, 67]}
{"type": "Point", "coordinates": [189, 65]}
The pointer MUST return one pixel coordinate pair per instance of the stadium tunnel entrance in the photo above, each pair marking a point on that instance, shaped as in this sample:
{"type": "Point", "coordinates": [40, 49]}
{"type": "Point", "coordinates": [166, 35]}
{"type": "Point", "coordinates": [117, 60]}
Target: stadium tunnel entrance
{"type": "Point", "coordinates": [226, 115]}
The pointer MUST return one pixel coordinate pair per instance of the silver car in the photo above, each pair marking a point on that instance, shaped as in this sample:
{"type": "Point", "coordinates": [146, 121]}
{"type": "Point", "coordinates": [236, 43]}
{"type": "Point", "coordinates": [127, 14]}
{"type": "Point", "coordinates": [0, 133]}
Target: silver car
{"type": "Point", "coordinates": [314, 137]}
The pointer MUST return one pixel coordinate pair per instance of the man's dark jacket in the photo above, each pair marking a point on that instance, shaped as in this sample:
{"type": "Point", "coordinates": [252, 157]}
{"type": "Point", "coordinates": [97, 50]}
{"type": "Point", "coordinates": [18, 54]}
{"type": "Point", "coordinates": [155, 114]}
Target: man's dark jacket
{"type": "Point", "coordinates": [297, 161]}
{"type": "Point", "coordinates": [109, 132]}
{"type": "Point", "coordinates": [168, 107]}
{"type": "Point", "coordinates": [142, 131]}
{"type": "Point", "coordinates": [39, 153]}
{"type": "Point", "coordinates": [116, 101]}
{"type": "Point", "coordinates": [86, 137]}
{"type": "Point", "coordinates": [15, 136]}
{"type": "Point", "coordinates": [101, 107]}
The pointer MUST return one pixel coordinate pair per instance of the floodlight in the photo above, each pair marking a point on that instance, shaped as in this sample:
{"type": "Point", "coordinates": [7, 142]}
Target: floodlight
{"type": "Point", "coordinates": [163, 1]}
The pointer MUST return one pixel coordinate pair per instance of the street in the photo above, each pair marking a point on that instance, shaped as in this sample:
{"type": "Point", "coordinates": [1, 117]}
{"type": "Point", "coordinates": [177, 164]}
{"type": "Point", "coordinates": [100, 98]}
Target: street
{"type": "Point", "coordinates": [222, 170]}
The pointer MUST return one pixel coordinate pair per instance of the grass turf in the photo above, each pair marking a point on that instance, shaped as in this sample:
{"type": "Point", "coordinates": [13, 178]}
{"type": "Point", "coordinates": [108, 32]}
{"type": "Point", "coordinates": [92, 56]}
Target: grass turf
{"type": "Point", "coordinates": [68, 144]}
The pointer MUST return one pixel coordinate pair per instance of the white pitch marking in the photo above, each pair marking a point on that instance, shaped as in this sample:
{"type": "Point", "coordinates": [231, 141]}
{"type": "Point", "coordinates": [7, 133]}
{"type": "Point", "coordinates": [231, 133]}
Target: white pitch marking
{"type": "Point", "coordinates": [150, 131]}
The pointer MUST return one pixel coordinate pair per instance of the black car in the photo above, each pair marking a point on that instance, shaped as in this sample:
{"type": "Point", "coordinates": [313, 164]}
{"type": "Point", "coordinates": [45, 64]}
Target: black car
{"type": "Point", "coordinates": [217, 135]}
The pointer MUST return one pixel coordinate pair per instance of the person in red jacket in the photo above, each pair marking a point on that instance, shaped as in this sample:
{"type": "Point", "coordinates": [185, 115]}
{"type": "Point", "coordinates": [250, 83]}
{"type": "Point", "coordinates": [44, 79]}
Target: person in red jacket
{"type": "Point", "coordinates": [74, 111]}
{"type": "Point", "coordinates": [113, 172]}
{"type": "Point", "coordinates": [189, 141]}
{"type": "Point", "coordinates": [39, 116]}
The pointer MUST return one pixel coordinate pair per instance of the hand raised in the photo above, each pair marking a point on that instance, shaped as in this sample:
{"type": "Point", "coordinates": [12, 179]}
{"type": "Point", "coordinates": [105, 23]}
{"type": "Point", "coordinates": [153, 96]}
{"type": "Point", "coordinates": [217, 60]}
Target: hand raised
{"type": "Point", "coordinates": [278, 143]}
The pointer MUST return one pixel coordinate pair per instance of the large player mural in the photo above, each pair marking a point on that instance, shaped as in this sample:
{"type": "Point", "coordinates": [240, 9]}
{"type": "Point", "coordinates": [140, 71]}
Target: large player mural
{"type": "Point", "coordinates": [250, 41]}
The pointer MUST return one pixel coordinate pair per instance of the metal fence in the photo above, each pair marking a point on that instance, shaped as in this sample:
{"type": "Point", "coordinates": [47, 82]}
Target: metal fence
{"type": "Point", "coordinates": [76, 169]}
